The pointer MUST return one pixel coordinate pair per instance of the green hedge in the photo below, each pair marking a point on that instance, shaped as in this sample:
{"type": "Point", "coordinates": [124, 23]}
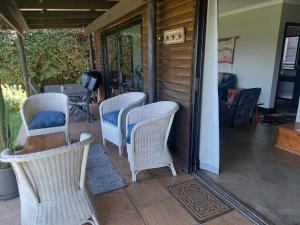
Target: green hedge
{"type": "Point", "coordinates": [54, 56]}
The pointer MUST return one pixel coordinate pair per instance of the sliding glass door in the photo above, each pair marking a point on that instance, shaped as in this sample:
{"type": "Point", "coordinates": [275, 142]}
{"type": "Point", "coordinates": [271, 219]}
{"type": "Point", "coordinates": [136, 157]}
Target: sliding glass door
{"type": "Point", "coordinates": [124, 71]}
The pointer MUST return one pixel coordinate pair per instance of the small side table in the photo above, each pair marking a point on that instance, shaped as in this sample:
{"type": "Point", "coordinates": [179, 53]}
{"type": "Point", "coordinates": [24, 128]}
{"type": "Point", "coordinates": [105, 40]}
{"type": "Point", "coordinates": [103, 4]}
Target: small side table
{"type": "Point", "coordinates": [43, 142]}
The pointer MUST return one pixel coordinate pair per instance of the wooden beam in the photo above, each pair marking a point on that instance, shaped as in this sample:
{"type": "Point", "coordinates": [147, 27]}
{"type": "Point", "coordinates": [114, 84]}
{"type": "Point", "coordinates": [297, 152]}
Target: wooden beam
{"type": "Point", "coordinates": [56, 26]}
{"type": "Point", "coordinates": [22, 56]}
{"type": "Point", "coordinates": [12, 16]}
{"type": "Point", "coordinates": [119, 10]}
{"type": "Point", "coordinates": [152, 65]}
{"type": "Point", "coordinates": [61, 14]}
{"type": "Point", "coordinates": [58, 21]}
{"type": "Point", "coordinates": [65, 4]}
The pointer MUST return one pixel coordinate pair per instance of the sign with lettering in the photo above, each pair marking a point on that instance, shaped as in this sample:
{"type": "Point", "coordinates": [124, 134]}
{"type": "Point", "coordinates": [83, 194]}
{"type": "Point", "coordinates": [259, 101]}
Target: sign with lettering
{"type": "Point", "coordinates": [175, 36]}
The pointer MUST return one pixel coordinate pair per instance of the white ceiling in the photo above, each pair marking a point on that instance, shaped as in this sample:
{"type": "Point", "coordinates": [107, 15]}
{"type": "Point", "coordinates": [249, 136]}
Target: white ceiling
{"type": "Point", "coordinates": [228, 5]}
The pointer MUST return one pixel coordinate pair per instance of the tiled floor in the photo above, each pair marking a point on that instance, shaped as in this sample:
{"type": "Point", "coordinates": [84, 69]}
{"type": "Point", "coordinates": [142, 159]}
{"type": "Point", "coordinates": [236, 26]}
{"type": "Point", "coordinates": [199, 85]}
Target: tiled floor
{"type": "Point", "coordinates": [146, 202]}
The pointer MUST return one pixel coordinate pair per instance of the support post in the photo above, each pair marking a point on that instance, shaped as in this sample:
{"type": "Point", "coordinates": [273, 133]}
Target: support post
{"type": "Point", "coordinates": [152, 65]}
{"type": "Point", "coordinates": [91, 52]}
{"type": "Point", "coordinates": [23, 63]}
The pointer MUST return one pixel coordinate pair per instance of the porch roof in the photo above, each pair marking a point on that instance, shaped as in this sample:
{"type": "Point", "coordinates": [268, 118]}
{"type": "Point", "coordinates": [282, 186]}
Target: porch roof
{"type": "Point", "coordinates": [22, 15]}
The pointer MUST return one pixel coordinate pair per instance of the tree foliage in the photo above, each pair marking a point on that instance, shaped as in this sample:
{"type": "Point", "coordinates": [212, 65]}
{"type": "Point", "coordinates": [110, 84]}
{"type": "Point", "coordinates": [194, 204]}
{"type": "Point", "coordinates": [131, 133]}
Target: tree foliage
{"type": "Point", "coordinates": [54, 56]}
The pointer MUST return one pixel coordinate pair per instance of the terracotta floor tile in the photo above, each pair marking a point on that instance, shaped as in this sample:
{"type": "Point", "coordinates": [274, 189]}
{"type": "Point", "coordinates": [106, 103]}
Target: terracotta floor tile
{"type": "Point", "coordinates": [132, 218]}
{"type": "Point", "coordinates": [169, 180]}
{"type": "Point", "coordinates": [167, 212]}
{"type": "Point", "coordinates": [158, 172]}
{"type": "Point", "coordinates": [232, 218]}
{"type": "Point", "coordinates": [113, 203]}
{"type": "Point", "coordinates": [146, 192]}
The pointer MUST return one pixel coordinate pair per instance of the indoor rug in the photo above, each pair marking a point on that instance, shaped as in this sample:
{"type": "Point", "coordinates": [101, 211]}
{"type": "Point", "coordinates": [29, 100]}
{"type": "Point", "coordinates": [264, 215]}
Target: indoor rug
{"type": "Point", "coordinates": [200, 202]}
{"type": "Point", "coordinates": [101, 174]}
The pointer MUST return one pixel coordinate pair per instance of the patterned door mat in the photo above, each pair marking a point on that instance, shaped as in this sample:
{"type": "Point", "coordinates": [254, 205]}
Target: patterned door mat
{"type": "Point", "coordinates": [200, 202]}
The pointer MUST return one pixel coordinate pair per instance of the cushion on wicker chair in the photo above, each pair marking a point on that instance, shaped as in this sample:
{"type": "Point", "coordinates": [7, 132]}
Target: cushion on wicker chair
{"type": "Point", "coordinates": [129, 130]}
{"type": "Point", "coordinates": [47, 119]}
{"type": "Point", "coordinates": [111, 117]}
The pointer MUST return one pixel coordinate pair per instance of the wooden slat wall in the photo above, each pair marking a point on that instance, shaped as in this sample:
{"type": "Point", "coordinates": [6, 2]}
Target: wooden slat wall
{"type": "Point", "coordinates": [174, 67]}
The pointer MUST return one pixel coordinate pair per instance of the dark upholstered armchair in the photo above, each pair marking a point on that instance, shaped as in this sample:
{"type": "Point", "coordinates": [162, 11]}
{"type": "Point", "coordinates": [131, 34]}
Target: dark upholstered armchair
{"type": "Point", "coordinates": [229, 80]}
{"type": "Point", "coordinates": [239, 108]}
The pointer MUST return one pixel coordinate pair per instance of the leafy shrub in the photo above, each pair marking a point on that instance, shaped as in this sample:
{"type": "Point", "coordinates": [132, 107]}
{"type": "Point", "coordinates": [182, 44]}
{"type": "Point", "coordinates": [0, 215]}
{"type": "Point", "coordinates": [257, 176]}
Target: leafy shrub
{"type": "Point", "coordinates": [54, 56]}
{"type": "Point", "coordinates": [13, 96]}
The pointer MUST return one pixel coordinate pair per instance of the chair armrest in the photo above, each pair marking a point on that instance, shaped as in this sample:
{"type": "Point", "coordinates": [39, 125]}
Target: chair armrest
{"type": "Point", "coordinates": [6, 155]}
{"type": "Point", "coordinates": [108, 105]}
{"type": "Point", "coordinates": [86, 138]}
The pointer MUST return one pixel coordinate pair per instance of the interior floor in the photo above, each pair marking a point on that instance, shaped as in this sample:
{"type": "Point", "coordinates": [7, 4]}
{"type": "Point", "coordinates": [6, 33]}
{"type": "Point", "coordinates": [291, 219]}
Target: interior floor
{"type": "Point", "coordinates": [259, 174]}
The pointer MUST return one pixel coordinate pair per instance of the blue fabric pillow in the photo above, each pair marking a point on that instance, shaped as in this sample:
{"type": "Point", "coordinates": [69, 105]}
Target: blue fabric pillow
{"type": "Point", "coordinates": [129, 130]}
{"type": "Point", "coordinates": [111, 117]}
{"type": "Point", "coordinates": [46, 119]}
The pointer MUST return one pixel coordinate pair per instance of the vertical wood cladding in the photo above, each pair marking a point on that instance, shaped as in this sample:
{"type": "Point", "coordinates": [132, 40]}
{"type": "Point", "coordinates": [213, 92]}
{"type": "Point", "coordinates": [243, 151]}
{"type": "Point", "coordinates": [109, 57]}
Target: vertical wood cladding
{"type": "Point", "coordinates": [174, 64]}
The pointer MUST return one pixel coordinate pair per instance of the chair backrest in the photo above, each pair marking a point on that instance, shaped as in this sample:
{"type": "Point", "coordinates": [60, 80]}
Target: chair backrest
{"type": "Point", "coordinates": [126, 99]}
{"type": "Point", "coordinates": [44, 102]}
{"type": "Point", "coordinates": [247, 102]}
{"type": "Point", "coordinates": [49, 175]}
{"type": "Point", "coordinates": [153, 125]}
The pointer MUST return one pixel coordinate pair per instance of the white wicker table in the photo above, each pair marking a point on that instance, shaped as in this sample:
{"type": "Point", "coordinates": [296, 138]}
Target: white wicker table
{"type": "Point", "coordinates": [72, 90]}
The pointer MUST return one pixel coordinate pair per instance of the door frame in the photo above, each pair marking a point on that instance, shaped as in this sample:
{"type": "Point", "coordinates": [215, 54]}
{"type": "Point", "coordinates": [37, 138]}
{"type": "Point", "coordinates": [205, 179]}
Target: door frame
{"type": "Point", "coordinates": [281, 57]}
{"type": "Point", "coordinates": [133, 21]}
{"type": "Point", "coordinates": [198, 65]}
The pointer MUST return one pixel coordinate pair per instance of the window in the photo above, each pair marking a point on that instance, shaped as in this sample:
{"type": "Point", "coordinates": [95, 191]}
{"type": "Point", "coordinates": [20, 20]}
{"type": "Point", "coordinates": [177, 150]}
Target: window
{"type": "Point", "coordinates": [290, 53]}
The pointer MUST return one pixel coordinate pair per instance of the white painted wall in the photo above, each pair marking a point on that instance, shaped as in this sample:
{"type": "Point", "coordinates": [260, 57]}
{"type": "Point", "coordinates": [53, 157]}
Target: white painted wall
{"type": "Point", "coordinates": [209, 137]}
{"type": "Point", "coordinates": [256, 49]}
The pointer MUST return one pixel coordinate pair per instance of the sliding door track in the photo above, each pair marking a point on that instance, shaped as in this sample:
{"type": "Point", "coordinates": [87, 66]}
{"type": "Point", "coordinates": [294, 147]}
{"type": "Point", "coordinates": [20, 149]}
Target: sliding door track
{"type": "Point", "coordinates": [231, 200]}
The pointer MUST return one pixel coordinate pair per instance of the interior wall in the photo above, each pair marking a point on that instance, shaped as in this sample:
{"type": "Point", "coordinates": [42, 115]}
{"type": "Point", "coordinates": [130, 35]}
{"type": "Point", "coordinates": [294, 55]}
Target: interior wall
{"type": "Point", "coordinates": [256, 47]}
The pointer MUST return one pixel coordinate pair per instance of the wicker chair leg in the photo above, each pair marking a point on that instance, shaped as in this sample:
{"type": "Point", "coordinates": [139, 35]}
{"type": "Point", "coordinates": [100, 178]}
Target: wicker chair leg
{"type": "Point", "coordinates": [134, 175]}
{"type": "Point", "coordinates": [67, 136]}
{"type": "Point", "coordinates": [96, 222]}
{"type": "Point", "coordinates": [172, 169]}
{"type": "Point", "coordinates": [120, 150]}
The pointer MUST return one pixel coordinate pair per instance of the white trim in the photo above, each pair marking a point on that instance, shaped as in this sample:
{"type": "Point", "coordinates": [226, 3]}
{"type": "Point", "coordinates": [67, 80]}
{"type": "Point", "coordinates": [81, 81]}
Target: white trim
{"type": "Point", "coordinates": [210, 168]}
{"type": "Point", "coordinates": [252, 7]}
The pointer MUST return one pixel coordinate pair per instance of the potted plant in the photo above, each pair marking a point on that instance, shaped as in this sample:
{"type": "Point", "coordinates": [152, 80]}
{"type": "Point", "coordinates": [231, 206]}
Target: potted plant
{"type": "Point", "coordinates": [8, 182]}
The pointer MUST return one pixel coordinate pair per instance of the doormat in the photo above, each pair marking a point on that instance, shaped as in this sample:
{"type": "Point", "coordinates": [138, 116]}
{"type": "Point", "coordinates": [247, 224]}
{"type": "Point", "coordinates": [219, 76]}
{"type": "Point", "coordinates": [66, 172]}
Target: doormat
{"type": "Point", "coordinates": [199, 201]}
{"type": "Point", "coordinates": [278, 119]}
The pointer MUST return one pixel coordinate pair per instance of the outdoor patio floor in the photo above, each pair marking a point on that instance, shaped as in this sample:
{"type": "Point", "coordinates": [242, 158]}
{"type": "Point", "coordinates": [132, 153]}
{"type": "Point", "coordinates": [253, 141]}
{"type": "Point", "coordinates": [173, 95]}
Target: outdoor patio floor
{"type": "Point", "coordinates": [146, 202]}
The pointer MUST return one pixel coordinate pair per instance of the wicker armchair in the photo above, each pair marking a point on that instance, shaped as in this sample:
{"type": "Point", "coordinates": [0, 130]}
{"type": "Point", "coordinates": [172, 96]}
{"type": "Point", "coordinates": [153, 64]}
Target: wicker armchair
{"type": "Point", "coordinates": [51, 185]}
{"type": "Point", "coordinates": [147, 138]}
{"type": "Point", "coordinates": [122, 103]}
{"type": "Point", "coordinates": [46, 102]}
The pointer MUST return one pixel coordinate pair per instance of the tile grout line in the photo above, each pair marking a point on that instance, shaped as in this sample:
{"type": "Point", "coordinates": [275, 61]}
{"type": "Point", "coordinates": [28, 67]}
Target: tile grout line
{"type": "Point", "coordinates": [136, 209]}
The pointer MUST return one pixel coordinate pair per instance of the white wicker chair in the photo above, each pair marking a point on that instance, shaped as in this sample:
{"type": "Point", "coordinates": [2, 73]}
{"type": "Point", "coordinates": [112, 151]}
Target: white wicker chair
{"type": "Point", "coordinates": [51, 185]}
{"type": "Point", "coordinates": [148, 140]}
{"type": "Point", "coordinates": [124, 103]}
{"type": "Point", "coordinates": [46, 102]}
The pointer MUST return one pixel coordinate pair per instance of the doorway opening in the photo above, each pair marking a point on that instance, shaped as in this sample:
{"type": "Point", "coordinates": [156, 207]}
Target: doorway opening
{"type": "Point", "coordinates": [123, 59]}
{"type": "Point", "coordinates": [288, 88]}
{"type": "Point", "coordinates": [250, 164]}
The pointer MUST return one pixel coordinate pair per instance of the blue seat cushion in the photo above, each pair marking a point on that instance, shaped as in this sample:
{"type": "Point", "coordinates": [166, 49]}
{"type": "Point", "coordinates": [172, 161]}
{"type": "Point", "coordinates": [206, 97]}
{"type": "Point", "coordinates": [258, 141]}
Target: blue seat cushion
{"type": "Point", "coordinates": [46, 119]}
{"type": "Point", "coordinates": [111, 117]}
{"type": "Point", "coordinates": [129, 130]}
